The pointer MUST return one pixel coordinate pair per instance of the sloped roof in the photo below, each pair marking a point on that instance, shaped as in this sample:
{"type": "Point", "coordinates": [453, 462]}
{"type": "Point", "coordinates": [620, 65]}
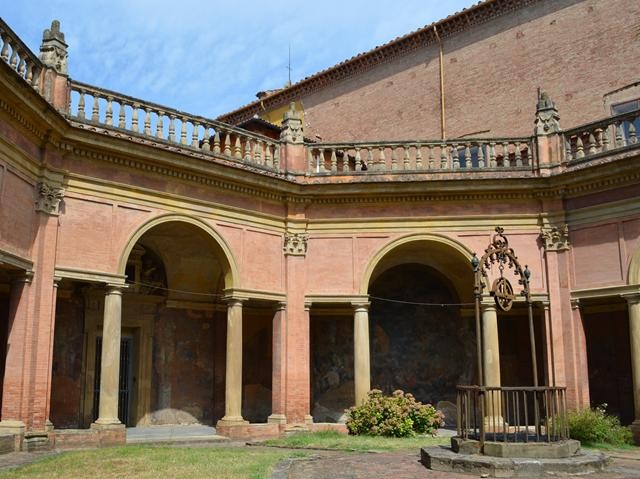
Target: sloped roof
{"type": "Point", "coordinates": [481, 12]}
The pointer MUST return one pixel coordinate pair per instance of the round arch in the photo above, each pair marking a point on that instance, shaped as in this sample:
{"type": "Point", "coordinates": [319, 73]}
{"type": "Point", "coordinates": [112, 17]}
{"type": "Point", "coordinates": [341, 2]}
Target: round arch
{"type": "Point", "coordinates": [231, 276]}
{"type": "Point", "coordinates": [633, 275]}
{"type": "Point", "coordinates": [458, 249]}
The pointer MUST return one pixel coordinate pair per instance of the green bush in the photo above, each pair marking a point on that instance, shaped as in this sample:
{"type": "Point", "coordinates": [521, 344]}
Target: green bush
{"type": "Point", "coordinates": [398, 415]}
{"type": "Point", "coordinates": [595, 426]}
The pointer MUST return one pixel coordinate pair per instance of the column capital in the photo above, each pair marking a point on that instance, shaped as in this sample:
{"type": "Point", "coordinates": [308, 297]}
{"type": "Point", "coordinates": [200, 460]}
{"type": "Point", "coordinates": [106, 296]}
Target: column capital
{"type": "Point", "coordinates": [48, 196]}
{"type": "Point", "coordinates": [631, 298]}
{"type": "Point", "coordinates": [555, 238]}
{"type": "Point", "coordinates": [233, 301]}
{"type": "Point", "coordinates": [25, 277]}
{"type": "Point", "coordinates": [281, 306]}
{"type": "Point", "coordinates": [113, 288]}
{"type": "Point", "coordinates": [575, 303]}
{"type": "Point", "coordinates": [360, 305]}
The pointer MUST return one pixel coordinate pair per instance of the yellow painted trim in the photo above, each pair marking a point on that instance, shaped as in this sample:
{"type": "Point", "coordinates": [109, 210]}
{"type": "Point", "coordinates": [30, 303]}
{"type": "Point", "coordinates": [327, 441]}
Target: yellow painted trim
{"type": "Point", "coordinates": [633, 276]}
{"type": "Point", "coordinates": [232, 275]}
{"type": "Point", "coordinates": [433, 237]}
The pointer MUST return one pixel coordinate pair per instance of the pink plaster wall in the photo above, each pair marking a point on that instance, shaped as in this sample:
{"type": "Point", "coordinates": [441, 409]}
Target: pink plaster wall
{"type": "Point", "coordinates": [17, 210]}
{"type": "Point", "coordinates": [596, 256]}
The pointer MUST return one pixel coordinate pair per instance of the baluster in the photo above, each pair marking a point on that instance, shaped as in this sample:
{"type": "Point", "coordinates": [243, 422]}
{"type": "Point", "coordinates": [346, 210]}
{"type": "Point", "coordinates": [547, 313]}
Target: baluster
{"type": "Point", "coordinates": [147, 121]}
{"type": "Point", "coordinates": [247, 151]}
{"type": "Point", "coordinates": [267, 155]}
{"type": "Point", "coordinates": [619, 135]}
{"type": "Point", "coordinates": [194, 134]}
{"type": "Point", "coordinates": [4, 54]}
{"type": "Point", "coordinates": [568, 148]}
{"type": "Point", "coordinates": [205, 139]}
{"type": "Point", "coordinates": [226, 151]}
{"type": "Point", "coordinates": [258, 152]}
{"type": "Point", "coordinates": [598, 139]}
{"type": "Point", "coordinates": [394, 158]}
{"type": "Point", "coordinates": [518, 155]}
{"type": "Point", "coordinates": [358, 161]}
{"type": "Point", "coordinates": [605, 139]}
{"type": "Point", "coordinates": [492, 155]}
{"type": "Point", "coordinates": [172, 128]}
{"type": "Point", "coordinates": [334, 161]}
{"type": "Point", "coordinates": [431, 159]}
{"type": "Point", "coordinates": [276, 157]}
{"type": "Point", "coordinates": [95, 111]}
{"type": "Point", "coordinates": [345, 161]}
{"type": "Point", "coordinates": [369, 163]}
{"type": "Point", "coordinates": [160, 125]}
{"type": "Point", "coordinates": [122, 121]}
{"type": "Point", "coordinates": [382, 160]}
{"type": "Point", "coordinates": [455, 156]}
{"type": "Point", "coordinates": [592, 144]}
{"type": "Point", "coordinates": [311, 160]}
{"type": "Point", "coordinates": [506, 162]}
{"type": "Point", "coordinates": [134, 118]}
{"type": "Point", "coordinates": [443, 156]}
{"type": "Point", "coordinates": [14, 58]}
{"type": "Point", "coordinates": [579, 147]}
{"type": "Point", "coordinates": [29, 76]}
{"type": "Point", "coordinates": [81, 112]}
{"type": "Point", "coordinates": [632, 133]}
{"type": "Point", "coordinates": [405, 157]}
{"type": "Point", "coordinates": [22, 66]}
{"type": "Point", "coordinates": [183, 131]}
{"type": "Point", "coordinates": [108, 116]}
{"type": "Point", "coordinates": [321, 160]}
{"type": "Point", "coordinates": [237, 149]}
{"type": "Point", "coordinates": [216, 143]}
{"type": "Point", "coordinates": [467, 155]}
{"type": "Point", "coordinates": [36, 77]}
{"type": "Point", "coordinates": [418, 156]}
{"type": "Point", "coordinates": [481, 163]}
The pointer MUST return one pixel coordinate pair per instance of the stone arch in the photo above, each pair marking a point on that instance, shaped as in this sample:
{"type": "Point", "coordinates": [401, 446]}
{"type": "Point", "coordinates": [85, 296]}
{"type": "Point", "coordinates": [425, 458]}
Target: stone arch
{"type": "Point", "coordinates": [224, 253]}
{"type": "Point", "coordinates": [440, 242]}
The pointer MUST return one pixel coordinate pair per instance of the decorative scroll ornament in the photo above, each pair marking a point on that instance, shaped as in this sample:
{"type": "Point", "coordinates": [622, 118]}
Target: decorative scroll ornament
{"type": "Point", "coordinates": [48, 197]}
{"type": "Point", "coordinates": [53, 50]}
{"type": "Point", "coordinates": [295, 244]}
{"type": "Point", "coordinates": [555, 238]}
{"type": "Point", "coordinates": [292, 126]}
{"type": "Point", "coordinates": [547, 118]}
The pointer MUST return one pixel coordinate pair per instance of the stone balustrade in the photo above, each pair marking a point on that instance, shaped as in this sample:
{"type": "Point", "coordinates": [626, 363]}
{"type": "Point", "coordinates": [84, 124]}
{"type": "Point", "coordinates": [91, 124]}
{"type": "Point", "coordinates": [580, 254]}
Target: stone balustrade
{"type": "Point", "coordinates": [112, 110]}
{"type": "Point", "coordinates": [463, 154]}
{"type": "Point", "coordinates": [602, 136]}
{"type": "Point", "coordinates": [18, 56]}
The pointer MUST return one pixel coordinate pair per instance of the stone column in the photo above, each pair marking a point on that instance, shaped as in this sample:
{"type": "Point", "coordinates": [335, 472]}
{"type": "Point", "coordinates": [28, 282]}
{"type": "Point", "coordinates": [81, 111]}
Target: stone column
{"type": "Point", "coordinates": [279, 363]}
{"type": "Point", "coordinates": [634, 335]}
{"type": "Point", "coordinates": [110, 358]}
{"type": "Point", "coordinates": [491, 366]}
{"type": "Point", "coordinates": [233, 383]}
{"type": "Point", "coordinates": [362, 359]}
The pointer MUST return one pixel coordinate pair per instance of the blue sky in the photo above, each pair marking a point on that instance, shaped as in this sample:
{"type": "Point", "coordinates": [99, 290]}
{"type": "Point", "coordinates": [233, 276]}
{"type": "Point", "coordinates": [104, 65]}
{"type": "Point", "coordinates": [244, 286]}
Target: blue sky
{"type": "Point", "coordinates": [208, 58]}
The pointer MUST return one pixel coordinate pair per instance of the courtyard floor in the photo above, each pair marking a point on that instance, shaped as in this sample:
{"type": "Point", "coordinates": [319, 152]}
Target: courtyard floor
{"type": "Point", "coordinates": [225, 459]}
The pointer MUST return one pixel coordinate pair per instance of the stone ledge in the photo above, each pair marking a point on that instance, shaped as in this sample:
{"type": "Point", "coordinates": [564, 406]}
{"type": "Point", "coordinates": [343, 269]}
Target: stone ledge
{"type": "Point", "coordinates": [445, 460]}
{"type": "Point", "coordinates": [529, 450]}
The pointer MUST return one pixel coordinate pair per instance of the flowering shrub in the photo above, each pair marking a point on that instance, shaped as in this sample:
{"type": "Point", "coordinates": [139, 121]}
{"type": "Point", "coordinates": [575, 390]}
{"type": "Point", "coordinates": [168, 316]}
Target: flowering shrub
{"type": "Point", "coordinates": [595, 426]}
{"type": "Point", "coordinates": [398, 415]}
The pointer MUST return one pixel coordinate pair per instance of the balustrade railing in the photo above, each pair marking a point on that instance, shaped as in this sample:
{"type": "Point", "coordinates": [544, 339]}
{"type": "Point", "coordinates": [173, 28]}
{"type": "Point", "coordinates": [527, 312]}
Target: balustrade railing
{"type": "Point", "coordinates": [18, 56]}
{"type": "Point", "coordinates": [512, 414]}
{"type": "Point", "coordinates": [158, 123]}
{"type": "Point", "coordinates": [452, 155]}
{"type": "Point", "coordinates": [602, 136]}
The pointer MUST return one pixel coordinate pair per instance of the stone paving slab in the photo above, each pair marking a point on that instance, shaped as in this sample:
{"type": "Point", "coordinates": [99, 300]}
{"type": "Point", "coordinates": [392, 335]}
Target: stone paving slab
{"type": "Point", "coordinates": [173, 434]}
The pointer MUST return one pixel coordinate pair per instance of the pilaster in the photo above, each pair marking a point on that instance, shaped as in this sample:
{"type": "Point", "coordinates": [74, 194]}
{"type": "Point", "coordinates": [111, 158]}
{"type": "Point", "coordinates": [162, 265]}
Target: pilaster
{"type": "Point", "coordinates": [279, 366]}
{"type": "Point", "coordinates": [633, 302]}
{"type": "Point", "coordinates": [362, 358]}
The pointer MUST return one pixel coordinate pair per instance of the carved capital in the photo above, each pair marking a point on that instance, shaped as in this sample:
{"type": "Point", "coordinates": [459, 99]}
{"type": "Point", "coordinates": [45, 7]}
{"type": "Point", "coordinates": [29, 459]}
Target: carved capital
{"type": "Point", "coordinates": [295, 244]}
{"type": "Point", "coordinates": [547, 117]}
{"type": "Point", "coordinates": [48, 196]}
{"type": "Point", "coordinates": [292, 126]}
{"type": "Point", "coordinates": [53, 50]}
{"type": "Point", "coordinates": [555, 238]}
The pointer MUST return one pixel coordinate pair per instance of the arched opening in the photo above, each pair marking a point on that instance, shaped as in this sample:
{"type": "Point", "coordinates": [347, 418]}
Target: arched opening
{"type": "Point", "coordinates": [422, 333]}
{"type": "Point", "coordinates": [173, 333]}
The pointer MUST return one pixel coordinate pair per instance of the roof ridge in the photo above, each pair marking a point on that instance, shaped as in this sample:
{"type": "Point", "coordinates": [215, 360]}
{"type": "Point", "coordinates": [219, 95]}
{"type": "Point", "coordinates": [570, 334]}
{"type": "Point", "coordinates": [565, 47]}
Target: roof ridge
{"type": "Point", "coordinates": [459, 21]}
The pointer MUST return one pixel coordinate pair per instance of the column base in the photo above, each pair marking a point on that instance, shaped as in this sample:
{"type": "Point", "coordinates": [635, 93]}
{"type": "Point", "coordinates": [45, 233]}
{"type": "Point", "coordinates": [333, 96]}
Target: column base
{"type": "Point", "coordinates": [635, 430]}
{"type": "Point", "coordinates": [308, 419]}
{"type": "Point", "coordinates": [277, 419]}
{"type": "Point", "coordinates": [107, 423]}
{"type": "Point", "coordinates": [109, 432]}
{"type": "Point", "coordinates": [12, 427]}
{"type": "Point", "coordinates": [230, 421]}
{"type": "Point", "coordinates": [48, 426]}
{"type": "Point", "coordinates": [495, 424]}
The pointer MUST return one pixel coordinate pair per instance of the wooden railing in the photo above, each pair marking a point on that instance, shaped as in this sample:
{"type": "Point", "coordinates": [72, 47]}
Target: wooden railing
{"type": "Point", "coordinates": [18, 56]}
{"type": "Point", "coordinates": [159, 123]}
{"type": "Point", "coordinates": [512, 414]}
{"type": "Point", "coordinates": [602, 136]}
{"type": "Point", "coordinates": [452, 155]}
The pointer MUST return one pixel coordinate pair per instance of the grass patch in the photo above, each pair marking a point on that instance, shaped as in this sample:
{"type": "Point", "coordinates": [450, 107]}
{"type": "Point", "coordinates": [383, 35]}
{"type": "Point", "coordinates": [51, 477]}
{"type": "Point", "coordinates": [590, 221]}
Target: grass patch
{"type": "Point", "coordinates": [335, 440]}
{"type": "Point", "coordinates": [146, 461]}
